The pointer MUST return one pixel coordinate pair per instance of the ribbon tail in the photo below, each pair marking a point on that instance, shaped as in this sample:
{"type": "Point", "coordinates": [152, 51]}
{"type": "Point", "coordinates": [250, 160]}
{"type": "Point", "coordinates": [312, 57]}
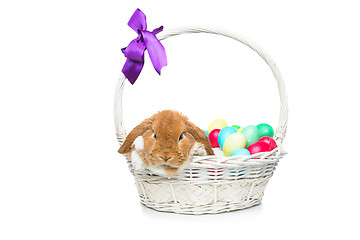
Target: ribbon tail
{"type": "Point", "coordinates": [156, 51]}
{"type": "Point", "coordinates": [132, 70]}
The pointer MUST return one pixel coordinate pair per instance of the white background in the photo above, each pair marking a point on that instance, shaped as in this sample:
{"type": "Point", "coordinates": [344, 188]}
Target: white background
{"type": "Point", "coordinates": [60, 174]}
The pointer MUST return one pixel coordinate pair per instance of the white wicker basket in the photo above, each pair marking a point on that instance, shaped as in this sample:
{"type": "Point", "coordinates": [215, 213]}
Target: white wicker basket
{"type": "Point", "coordinates": [211, 184]}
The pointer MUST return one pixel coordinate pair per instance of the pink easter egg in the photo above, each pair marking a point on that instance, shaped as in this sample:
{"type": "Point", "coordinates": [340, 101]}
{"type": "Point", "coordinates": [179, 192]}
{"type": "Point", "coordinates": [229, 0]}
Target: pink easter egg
{"type": "Point", "coordinates": [213, 138]}
{"type": "Point", "coordinates": [259, 147]}
{"type": "Point", "coordinates": [269, 141]}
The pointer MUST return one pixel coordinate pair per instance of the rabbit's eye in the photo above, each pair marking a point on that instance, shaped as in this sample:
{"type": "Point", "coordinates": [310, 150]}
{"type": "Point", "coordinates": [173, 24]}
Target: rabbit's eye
{"type": "Point", "coordinates": [154, 135]}
{"type": "Point", "coordinates": [181, 137]}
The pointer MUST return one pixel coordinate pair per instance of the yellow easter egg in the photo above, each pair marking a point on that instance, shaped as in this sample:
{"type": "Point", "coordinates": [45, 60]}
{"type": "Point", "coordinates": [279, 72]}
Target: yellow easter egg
{"type": "Point", "coordinates": [217, 124]}
{"type": "Point", "coordinates": [234, 142]}
{"type": "Point", "coordinates": [240, 129]}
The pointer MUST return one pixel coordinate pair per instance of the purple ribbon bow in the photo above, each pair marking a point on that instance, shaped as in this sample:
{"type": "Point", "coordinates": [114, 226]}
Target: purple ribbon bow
{"type": "Point", "coordinates": [134, 52]}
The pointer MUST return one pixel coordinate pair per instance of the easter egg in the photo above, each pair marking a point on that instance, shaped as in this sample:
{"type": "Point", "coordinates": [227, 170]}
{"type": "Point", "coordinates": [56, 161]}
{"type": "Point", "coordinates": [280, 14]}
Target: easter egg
{"type": "Point", "coordinates": [234, 142]}
{"type": "Point", "coordinates": [240, 129]}
{"type": "Point", "coordinates": [252, 134]}
{"type": "Point", "coordinates": [224, 134]}
{"type": "Point", "coordinates": [258, 147]}
{"type": "Point", "coordinates": [269, 141]}
{"type": "Point", "coordinates": [265, 130]}
{"type": "Point", "coordinates": [217, 124]}
{"type": "Point", "coordinates": [213, 138]}
{"type": "Point", "coordinates": [241, 152]}
{"type": "Point", "coordinates": [207, 133]}
{"type": "Point", "coordinates": [236, 127]}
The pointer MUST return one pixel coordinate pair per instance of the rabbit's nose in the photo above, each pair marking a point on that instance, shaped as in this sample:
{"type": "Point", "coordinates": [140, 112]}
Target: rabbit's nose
{"type": "Point", "coordinates": [165, 158]}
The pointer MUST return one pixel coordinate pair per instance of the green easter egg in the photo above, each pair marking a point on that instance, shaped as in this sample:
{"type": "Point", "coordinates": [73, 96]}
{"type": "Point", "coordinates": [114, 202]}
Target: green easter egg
{"type": "Point", "coordinates": [265, 130]}
{"type": "Point", "coordinates": [252, 134]}
{"type": "Point", "coordinates": [236, 127]}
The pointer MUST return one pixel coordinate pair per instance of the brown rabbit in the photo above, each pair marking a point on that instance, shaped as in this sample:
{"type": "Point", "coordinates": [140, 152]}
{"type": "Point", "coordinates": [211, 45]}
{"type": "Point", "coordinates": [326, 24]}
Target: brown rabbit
{"type": "Point", "coordinates": [164, 143]}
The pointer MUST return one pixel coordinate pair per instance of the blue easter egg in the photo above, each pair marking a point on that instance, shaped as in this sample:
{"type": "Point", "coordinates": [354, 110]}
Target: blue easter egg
{"type": "Point", "coordinates": [224, 133]}
{"type": "Point", "coordinates": [241, 152]}
{"type": "Point", "coordinates": [207, 133]}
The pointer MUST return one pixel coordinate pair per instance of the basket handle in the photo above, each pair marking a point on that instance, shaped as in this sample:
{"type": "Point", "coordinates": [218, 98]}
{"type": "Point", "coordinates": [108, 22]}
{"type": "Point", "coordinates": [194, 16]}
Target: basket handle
{"type": "Point", "coordinates": [283, 118]}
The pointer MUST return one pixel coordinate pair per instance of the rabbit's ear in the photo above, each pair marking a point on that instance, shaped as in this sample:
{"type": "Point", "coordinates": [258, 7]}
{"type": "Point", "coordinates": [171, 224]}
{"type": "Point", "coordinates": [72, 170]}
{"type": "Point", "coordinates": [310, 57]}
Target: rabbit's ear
{"type": "Point", "coordinates": [199, 136]}
{"type": "Point", "coordinates": [136, 132]}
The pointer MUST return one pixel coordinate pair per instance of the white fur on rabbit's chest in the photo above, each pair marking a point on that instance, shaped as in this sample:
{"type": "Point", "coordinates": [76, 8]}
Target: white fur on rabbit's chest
{"type": "Point", "coordinates": [138, 162]}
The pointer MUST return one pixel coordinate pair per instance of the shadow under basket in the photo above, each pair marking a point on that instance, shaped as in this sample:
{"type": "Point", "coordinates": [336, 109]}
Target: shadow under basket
{"type": "Point", "coordinates": [210, 184]}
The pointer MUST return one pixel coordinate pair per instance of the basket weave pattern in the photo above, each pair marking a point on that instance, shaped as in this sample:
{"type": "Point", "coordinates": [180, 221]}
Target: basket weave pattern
{"type": "Point", "coordinates": [210, 184]}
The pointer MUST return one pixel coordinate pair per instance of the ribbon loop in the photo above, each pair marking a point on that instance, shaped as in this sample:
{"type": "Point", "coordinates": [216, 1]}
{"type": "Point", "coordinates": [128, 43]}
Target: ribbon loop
{"type": "Point", "coordinates": [134, 52]}
{"type": "Point", "coordinates": [138, 21]}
